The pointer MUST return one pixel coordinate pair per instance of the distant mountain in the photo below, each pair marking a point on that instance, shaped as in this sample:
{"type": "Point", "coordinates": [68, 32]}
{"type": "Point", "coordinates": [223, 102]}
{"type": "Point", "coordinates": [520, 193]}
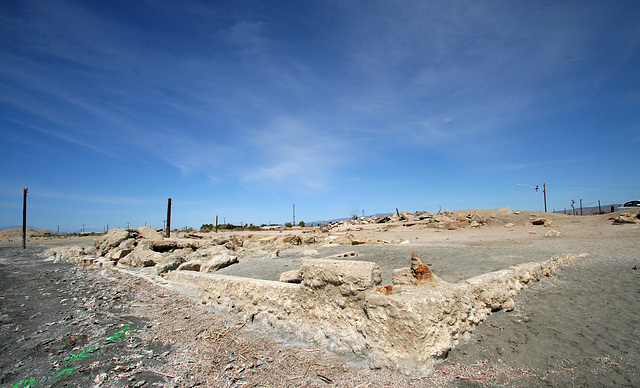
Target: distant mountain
{"type": "Point", "coordinates": [326, 222]}
{"type": "Point", "coordinates": [17, 227]}
{"type": "Point", "coordinates": [591, 209]}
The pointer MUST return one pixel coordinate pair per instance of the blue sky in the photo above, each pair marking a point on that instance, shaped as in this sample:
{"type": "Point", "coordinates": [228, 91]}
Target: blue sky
{"type": "Point", "coordinates": [242, 108]}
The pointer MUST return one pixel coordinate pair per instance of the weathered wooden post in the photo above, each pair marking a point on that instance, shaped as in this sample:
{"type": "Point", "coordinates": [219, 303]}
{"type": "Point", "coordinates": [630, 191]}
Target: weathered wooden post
{"type": "Point", "coordinates": [581, 207]}
{"type": "Point", "coordinates": [216, 224]}
{"type": "Point", "coordinates": [168, 233]}
{"type": "Point", "coordinates": [24, 219]}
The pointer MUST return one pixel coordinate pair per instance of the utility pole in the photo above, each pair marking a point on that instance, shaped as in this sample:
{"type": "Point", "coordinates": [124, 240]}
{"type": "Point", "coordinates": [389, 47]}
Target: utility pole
{"type": "Point", "coordinates": [599, 207]}
{"type": "Point", "coordinates": [24, 219]}
{"type": "Point", "coordinates": [168, 233]}
{"type": "Point", "coordinates": [573, 208]}
{"type": "Point", "coordinates": [127, 225]}
{"type": "Point", "coordinates": [216, 224]}
{"type": "Point", "coordinates": [544, 192]}
{"type": "Point", "coordinates": [581, 207]}
{"type": "Point", "coordinates": [83, 227]}
{"type": "Point", "coordinates": [58, 229]}
{"type": "Point", "coordinates": [294, 214]}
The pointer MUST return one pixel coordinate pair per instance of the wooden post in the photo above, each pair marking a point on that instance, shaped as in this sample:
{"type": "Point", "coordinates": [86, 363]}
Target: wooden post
{"type": "Point", "coordinates": [24, 219]}
{"type": "Point", "coordinates": [216, 224]}
{"type": "Point", "coordinates": [168, 233]}
{"type": "Point", "coordinates": [581, 207]}
{"type": "Point", "coordinates": [544, 192]}
{"type": "Point", "coordinates": [599, 208]}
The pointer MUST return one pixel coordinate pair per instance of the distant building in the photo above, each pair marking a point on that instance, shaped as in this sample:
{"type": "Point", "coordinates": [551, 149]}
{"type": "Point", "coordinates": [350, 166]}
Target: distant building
{"type": "Point", "coordinates": [272, 227]}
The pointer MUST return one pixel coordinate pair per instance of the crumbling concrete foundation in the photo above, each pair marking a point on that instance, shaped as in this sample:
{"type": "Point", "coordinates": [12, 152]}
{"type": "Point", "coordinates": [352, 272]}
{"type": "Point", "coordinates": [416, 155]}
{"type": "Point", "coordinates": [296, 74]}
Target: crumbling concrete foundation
{"type": "Point", "coordinates": [341, 306]}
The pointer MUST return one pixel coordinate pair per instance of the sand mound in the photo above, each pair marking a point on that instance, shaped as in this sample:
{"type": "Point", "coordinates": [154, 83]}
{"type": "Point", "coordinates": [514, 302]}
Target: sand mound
{"type": "Point", "coordinates": [16, 233]}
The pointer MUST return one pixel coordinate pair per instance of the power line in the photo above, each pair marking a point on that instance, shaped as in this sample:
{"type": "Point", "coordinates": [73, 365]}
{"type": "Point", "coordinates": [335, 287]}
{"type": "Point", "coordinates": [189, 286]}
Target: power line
{"type": "Point", "coordinates": [598, 187]}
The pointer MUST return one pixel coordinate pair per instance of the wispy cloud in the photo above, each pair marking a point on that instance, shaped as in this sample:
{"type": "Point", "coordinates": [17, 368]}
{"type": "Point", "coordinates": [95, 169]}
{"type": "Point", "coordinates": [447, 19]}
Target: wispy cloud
{"type": "Point", "coordinates": [248, 98]}
{"type": "Point", "coordinates": [96, 199]}
{"type": "Point", "coordinates": [293, 154]}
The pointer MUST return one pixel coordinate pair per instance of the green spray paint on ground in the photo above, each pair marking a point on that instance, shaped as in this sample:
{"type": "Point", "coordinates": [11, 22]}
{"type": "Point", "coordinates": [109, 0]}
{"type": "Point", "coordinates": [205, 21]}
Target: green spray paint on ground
{"type": "Point", "coordinates": [65, 372]}
{"type": "Point", "coordinates": [27, 383]}
{"type": "Point", "coordinates": [122, 334]}
{"type": "Point", "coordinates": [84, 354]}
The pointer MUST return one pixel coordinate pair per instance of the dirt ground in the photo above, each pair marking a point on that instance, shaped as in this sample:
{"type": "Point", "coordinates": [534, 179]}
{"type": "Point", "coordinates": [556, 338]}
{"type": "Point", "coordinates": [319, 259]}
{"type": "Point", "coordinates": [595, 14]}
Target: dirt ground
{"type": "Point", "coordinates": [66, 325]}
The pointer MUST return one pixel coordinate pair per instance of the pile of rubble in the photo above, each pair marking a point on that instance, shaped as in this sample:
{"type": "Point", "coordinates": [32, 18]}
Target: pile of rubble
{"type": "Point", "coordinates": [146, 247]}
{"type": "Point", "coordinates": [627, 218]}
{"type": "Point", "coordinates": [440, 220]}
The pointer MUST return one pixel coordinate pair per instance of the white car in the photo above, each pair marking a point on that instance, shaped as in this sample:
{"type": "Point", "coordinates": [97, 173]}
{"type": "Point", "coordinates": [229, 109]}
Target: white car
{"type": "Point", "coordinates": [630, 205]}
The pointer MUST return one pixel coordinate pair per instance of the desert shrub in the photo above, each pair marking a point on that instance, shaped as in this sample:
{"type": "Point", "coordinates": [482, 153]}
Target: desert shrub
{"type": "Point", "coordinates": [206, 228]}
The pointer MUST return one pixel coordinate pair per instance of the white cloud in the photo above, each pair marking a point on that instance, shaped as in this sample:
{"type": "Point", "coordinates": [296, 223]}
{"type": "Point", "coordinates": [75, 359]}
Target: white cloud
{"type": "Point", "coordinates": [97, 199]}
{"type": "Point", "coordinates": [247, 35]}
{"type": "Point", "coordinates": [294, 155]}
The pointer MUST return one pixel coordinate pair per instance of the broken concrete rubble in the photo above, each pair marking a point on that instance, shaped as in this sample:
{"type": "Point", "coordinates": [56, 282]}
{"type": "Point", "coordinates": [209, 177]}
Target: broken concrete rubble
{"type": "Point", "coordinates": [441, 220]}
{"type": "Point", "coordinates": [349, 276]}
{"type": "Point", "coordinates": [210, 264]}
{"type": "Point", "coordinates": [140, 258]}
{"type": "Point", "coordinates": [540, 221]}
{"type": "Point", "coordinates": [343, 255]}
{"type": "Point", "coordinates": [150, 234]}
{"type": "Point", "coordinates": [146, 247]}
{"type": "Point", "coordinates": [291, 276]}
{"type": "Point", "coordinates": [67, 254]}
{"type": "Point", "coordinates": [627, 218]}
{"type": "Point", "coordinates": [112, 239]}
{"type": "Point", "coordinates": [292, 239]}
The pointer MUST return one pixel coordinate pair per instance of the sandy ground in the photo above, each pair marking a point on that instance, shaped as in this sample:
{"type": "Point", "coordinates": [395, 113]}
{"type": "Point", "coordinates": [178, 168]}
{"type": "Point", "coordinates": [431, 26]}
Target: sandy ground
{"type": "Point", "coordinates": [578, 327]}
